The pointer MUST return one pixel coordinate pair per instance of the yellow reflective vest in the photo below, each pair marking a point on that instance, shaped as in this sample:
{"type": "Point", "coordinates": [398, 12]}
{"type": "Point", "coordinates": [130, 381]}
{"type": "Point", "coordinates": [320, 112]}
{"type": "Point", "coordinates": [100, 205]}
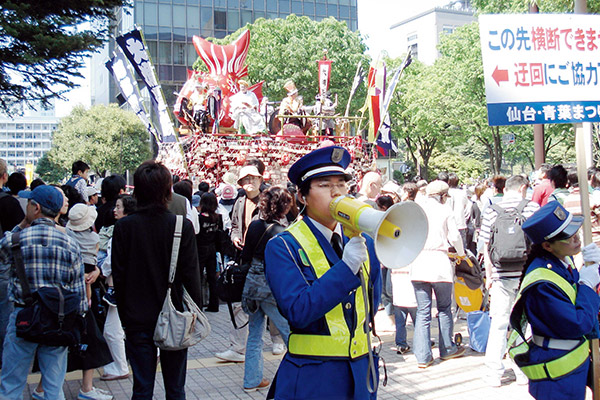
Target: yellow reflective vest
{"type": "Point", "coordinates": [519, 348]}
{"type": "Point", "coordinates": [339, 342]}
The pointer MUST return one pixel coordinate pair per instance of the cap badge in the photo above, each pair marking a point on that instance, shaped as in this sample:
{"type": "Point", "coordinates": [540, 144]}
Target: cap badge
{"type": "Point", "coordinates": [560, 214]}
{"type": "Point", "coordinates": [337, 155]}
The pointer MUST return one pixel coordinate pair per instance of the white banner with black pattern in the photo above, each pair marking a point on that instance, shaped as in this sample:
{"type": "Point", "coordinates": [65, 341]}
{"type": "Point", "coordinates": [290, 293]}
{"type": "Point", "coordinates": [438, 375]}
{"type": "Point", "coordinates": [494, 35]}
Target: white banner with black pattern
{"type": "Point", "coordinates": [119, 68]}
{"type": "Point", "coordinates": [133, 46]}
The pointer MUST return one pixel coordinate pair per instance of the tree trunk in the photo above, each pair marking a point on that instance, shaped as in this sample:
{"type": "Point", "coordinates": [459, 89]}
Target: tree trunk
{"type": "Point", "coordinates": [497, 150]}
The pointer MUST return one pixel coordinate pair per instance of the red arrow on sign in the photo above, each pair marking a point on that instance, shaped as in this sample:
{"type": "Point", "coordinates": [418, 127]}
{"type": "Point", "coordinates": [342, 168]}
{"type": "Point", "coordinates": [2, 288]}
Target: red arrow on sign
{"type": "Point", "coordinates": [500, 75]}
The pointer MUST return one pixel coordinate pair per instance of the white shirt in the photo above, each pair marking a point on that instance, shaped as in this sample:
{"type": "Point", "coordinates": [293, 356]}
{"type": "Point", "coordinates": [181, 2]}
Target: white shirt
{"type": "Point", "coordinates": [328, 233]}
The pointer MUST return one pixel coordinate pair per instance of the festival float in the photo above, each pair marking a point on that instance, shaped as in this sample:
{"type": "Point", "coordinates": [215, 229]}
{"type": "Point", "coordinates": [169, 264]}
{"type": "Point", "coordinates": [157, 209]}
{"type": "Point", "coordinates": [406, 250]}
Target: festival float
{"type": "Point", "coordinates": [224, 120]}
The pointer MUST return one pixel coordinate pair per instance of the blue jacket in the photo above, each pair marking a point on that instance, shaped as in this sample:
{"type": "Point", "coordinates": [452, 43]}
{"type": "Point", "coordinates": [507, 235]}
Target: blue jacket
{"type": "Point", "coordinates": [551, 314]}
{"type": "Point", "coordinates": [304, 300]}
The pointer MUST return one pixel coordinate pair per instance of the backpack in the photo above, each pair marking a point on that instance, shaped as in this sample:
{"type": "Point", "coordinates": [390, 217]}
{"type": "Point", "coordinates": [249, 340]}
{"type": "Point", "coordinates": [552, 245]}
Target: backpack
{"type": "Point", "coordinates": [508, 246]}
{"type": "Point", "coordinates": [73, 181]}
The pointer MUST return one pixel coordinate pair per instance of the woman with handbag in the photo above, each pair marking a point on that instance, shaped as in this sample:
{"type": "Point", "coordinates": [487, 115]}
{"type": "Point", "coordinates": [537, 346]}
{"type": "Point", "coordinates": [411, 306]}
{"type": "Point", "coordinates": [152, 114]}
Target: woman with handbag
{"type": "Point", "coordinates": [257, 299]}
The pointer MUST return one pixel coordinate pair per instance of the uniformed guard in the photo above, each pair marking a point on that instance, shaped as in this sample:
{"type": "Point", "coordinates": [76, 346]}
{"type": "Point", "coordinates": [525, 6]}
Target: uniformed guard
{"type": "Point", "coordinates": [560, 304]}
{"type": "Point", "coordinates": [314, 272]}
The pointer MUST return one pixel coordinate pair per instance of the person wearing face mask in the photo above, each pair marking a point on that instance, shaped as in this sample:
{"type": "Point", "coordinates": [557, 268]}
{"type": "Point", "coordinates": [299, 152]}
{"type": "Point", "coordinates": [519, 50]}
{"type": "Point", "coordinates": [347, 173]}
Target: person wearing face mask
{"type": "Point", "coordinates": [314, 271]}
{"type": "Point", "coordinates": [560, 303]}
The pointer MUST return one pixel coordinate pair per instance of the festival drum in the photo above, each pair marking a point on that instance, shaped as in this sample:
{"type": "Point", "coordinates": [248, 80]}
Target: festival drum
{"type": "Point", "coordinates": [275, 123]}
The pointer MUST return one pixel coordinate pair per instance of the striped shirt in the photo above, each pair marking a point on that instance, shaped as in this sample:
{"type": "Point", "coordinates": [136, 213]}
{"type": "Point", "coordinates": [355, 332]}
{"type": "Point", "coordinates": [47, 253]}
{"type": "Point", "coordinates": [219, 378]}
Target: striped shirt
{"type": "Point", "coordinates": [50, 257]}
{"type": "Point", "coordinates": [510, 200]}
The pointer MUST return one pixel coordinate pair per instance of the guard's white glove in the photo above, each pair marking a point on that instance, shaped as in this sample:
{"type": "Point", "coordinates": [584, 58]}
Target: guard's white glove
{"type": "Point", "coordinates": [591, 253]}
{"type": "Point", "coordinates": [589, 276]}
{"type": "Point", "coordinates": [355, 253]}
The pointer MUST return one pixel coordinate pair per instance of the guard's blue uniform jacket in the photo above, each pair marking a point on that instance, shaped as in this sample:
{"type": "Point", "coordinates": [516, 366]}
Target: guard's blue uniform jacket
{"type": "Point", "coordinates": [551, 314]}
{"type": "Point", "coordinates": [304, 300]}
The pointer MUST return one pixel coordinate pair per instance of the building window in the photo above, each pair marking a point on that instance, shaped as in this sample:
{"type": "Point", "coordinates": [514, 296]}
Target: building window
{"type": "Point", "coordinates": [412, 37]}
{"type": "Point", "coordinates": [233, 20]}
{"type": "Point", "coordinates": [164, 14]}
{"type": "Point", "coordinates": [247, 4]}
{"type": "Point", "coordinates": [192, 56]}
{"type": "Point", "coordinates": [309, 8]}
{"type": "Point", "coordinates": [206, 21]}
{"type": "Point", "coordinates": [164, 53]}
{"type": "Point", "coordinates": [150, 16]}
{"type": "Point", "coordinates": [220, 18]}
{"type": "Point", "coordinates": [321, 10]}
{"type": "Point", "coordinates": [193, 22]}
{"type": "Point", "coordinates": [221, 3]}
{"type": "Point", "coordinates": [139, 13]}
{"type": "Point", "coordinates": [332, 10]}
{"type": "Point", "coordinates": [220, 34]}
{"type": "Point", "coordinates": [414, 50]}
{"type": "Point", "coordinates": [284, 6]}
{"type": "Point", "coordinates": [179, 53]}
{"type": "Point", "coordinates": [259, 5]}
{"type": "Point", "coordinates": [152, 49]}
{"type": "Point", "coordinates": [447, 29]}
{"type": "Point", "coordinates": [272, 5]}
{"type": "Point", "coordinates": [206, 2]}
{"type": "Point", "coordinates": [246, 17]}
{"type": "Point", "coordinates": [296, 7]}
{"type": "Point", "coordinates": [165, 73]}
{"type": "Point", "coordinates": [179, 16]}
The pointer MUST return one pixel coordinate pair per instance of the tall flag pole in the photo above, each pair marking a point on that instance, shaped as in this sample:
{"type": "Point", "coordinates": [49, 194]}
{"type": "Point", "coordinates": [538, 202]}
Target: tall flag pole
{"type": "Point", "coordinates": [121, 72]}
{"type": "Point", "coordinates": [358, 78]}
{"type": "Point", "coordinates": [384, 137]}
{"type": "Point", "coordinates": [134, 47]}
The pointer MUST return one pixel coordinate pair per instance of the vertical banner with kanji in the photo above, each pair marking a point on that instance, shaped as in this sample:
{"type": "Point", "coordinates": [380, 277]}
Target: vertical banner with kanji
{"type": "Point", "coordinates": [541, 68]}
{"type": "Point", "coordinates": [324, 75]}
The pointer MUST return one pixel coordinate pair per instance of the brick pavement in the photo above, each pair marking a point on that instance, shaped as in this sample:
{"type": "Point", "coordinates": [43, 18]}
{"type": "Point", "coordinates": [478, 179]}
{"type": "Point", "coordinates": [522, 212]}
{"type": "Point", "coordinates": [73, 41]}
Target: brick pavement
{"type": "Point", "coordinates": [208, 378]}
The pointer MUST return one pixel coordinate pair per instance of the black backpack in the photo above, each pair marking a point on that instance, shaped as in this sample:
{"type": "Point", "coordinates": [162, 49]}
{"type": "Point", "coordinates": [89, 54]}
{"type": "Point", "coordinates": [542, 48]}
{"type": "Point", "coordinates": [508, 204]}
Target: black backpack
{"type": "Point", "coordinates": [508, 246]}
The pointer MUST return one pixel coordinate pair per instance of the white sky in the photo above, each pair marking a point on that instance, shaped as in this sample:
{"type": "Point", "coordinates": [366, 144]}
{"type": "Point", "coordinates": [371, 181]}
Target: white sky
{"type": "Point", "coordinates": [374, 20]}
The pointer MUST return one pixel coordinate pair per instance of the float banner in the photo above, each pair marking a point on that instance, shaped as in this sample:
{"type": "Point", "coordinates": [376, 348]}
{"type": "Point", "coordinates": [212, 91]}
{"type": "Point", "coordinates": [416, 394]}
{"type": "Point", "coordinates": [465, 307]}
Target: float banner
{"type": "Point", "coordinates": [133, 46]}
{"type": "Point", "coordinates": [375, 93]}
{"type": "Point", "coordinates": [324, 75]}
{"type": "Point", "coordinates": [118, 67]}
{"type": "Point", "coordinates": [541, 68]}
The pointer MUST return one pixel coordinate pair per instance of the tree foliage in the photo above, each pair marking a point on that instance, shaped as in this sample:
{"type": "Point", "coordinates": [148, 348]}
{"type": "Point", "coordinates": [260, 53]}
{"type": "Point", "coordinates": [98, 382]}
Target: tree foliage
{"type": "Point", "coordinates": [42, 44]}
{"type": "Point", "coordinates": [49, 171]}
{"type": "Point", "coordinates": [106, 137]}
{"type": "Point", "coordinates": [283, 49]}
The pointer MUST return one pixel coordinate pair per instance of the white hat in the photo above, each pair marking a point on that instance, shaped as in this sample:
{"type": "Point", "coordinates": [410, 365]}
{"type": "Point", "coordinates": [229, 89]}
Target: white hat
{"type": "Point", "coordinates": [390, 187]}
{"type": "Point", "coordinates": [248, 170]}
{"type": "Point", "coordinates": [436, 187]}
{"type": "Point", "coordinates": [81, 217]}
{"type": "Point", "coordinates": [90, 191]}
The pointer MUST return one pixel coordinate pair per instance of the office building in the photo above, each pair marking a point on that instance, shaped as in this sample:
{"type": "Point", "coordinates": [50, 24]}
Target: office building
{"type": "Point", "coordinates": [421, 32]}
{"type": "Point", "coordinates": [25, 139]}
{"type": "Point", "coordinates": [169, 26]}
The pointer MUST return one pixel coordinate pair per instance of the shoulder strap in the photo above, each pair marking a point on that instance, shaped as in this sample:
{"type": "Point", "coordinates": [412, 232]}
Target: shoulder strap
{"type": "Point", "coordinates": [265, 232]}
{"type": "Point", "coordinates": [175, 251]}
{"type": "Point", "coordinates": [522, 205]}
{"type": "Point", "coordinates": [20, 267]}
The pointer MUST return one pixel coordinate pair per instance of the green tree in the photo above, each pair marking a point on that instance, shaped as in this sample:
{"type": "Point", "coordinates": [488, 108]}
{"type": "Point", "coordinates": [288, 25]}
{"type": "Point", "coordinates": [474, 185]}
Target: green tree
{"type": "Point", "coordinates": [283, 49]}
{"type": "Point", "coordinates": [106, 137]}
{"type": "Point", "coordinates": [467, 169]}
{"type": "Point", "coordinates": [49, 171]}
{"type": "Point", "coordinates": [42, 44]}
{"type": "Point", "coordinates": [522, 6]}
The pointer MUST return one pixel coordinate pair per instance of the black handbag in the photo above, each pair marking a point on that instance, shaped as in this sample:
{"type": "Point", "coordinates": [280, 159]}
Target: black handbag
{"type": "Point", "coordinates": [230, 283]}
{"type": "Point", "coordinates": [51, 314]}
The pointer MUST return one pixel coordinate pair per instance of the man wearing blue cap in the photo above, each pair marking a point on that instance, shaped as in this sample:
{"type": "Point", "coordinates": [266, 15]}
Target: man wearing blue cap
{"type": "Point", "coordinates": [560, 303]}
{"type": "Point", "coordinates": [314, 272]}
{"type": "Point", "coordinates": [50, 258]}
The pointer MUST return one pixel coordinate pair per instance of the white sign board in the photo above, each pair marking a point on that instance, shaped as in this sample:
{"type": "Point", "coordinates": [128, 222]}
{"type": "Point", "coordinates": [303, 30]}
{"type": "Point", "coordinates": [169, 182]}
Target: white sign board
{"type": "Point", "coordinates": [541, 68]}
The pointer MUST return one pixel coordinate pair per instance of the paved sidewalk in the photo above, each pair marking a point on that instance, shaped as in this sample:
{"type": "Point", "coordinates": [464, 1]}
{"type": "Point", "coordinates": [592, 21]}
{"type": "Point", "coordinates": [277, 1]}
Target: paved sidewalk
{"type": "Point", "coordinates": [208, 378]}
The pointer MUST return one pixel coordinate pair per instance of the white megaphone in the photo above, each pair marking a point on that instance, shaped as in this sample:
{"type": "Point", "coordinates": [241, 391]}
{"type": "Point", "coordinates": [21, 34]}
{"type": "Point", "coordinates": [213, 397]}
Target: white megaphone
{"type": "Point", "coordinates": [399, 233]}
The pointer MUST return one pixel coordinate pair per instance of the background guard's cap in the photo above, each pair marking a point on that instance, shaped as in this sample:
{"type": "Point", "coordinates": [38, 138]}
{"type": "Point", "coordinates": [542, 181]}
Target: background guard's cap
{"type": "Point", "coordinates": [552, 221]}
